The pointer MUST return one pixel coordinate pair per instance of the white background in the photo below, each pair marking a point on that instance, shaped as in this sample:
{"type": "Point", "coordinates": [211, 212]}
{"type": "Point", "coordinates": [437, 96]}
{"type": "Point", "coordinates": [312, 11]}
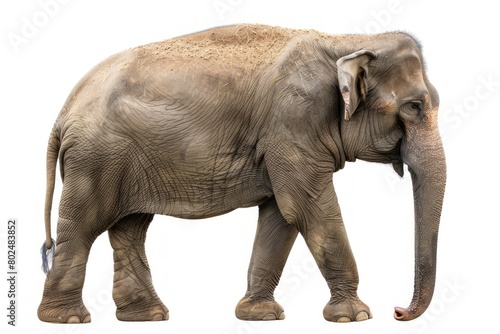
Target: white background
{"type": "Point", "coordinates": [199, 267]}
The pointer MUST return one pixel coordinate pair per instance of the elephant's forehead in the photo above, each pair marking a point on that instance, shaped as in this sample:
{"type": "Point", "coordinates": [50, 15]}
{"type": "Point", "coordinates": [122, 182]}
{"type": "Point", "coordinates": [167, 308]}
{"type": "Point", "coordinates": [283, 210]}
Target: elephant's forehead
{"type": "Point", "coordinates": [404, 77]}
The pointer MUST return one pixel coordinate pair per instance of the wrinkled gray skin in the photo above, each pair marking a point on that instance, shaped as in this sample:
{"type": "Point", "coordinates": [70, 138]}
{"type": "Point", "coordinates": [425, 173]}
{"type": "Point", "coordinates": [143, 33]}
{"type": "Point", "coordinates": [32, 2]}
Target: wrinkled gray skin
{"type": "Point", "coordinates": [235, 117]}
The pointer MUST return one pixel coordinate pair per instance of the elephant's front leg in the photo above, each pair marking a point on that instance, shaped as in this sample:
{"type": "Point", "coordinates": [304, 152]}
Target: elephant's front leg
{"type": "Point", "coordinates": [273, 241]}
{"type": "Point", "coordinates": [133, 291]}
{"type": "Point", "coordinates": [327, 240]}
{"type": "Point", "coordinates": [307, 199]}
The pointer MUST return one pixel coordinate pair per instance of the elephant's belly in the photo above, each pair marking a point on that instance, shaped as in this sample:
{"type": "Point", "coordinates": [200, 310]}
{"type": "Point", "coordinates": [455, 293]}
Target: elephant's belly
{"type": "Point", "coordinates": [203, 196]}
{"type": "Point", "coordinates": [198, 204]}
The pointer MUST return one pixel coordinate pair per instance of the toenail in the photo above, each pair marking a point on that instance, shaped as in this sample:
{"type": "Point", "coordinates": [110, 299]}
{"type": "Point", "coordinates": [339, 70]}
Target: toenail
{"type": "Point", "coordinates": [362, 316]}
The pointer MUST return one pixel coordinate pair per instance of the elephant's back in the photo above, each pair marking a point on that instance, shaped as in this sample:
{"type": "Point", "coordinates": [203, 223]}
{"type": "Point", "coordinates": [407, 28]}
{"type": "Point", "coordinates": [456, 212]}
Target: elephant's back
{"type": "Point", "coordinates": [244, 46]}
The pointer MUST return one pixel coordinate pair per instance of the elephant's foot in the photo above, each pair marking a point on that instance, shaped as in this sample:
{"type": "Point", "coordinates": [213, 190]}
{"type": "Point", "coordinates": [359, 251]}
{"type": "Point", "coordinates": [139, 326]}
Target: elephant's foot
{"type": "Point", "coordinates": [135, 312]}
{"type": "Point", "coordinates": [347, 311]}
{"type": "Point", "coordinates": [63, 314]}
{"type": "Point", "coordinates": [249, 309]}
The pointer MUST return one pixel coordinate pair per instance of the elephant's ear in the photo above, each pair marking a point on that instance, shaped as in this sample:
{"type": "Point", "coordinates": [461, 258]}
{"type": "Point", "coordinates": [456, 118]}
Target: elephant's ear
{"type": "Point", "coordinates": [352, 72]}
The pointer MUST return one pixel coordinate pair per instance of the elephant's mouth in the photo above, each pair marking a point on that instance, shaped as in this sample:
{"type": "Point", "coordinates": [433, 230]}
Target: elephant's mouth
{"type": "Point", "coordinates": [396, 159]}
{"type": "Point", "coordinates": [387, 152]}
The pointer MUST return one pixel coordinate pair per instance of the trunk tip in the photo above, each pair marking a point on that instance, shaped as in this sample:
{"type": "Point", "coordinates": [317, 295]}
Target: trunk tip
{"type": "Point", "coordinates": [404, 314]}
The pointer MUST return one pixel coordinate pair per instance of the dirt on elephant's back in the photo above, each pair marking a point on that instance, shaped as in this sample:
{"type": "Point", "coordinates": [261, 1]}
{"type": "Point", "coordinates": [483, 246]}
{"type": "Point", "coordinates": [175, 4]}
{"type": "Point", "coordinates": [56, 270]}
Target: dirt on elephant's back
{"type": "Point", "coordinates": [251, 46]}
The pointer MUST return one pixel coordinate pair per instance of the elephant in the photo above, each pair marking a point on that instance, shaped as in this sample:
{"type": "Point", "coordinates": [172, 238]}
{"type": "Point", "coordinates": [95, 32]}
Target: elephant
{"type": "Point", "coordinates": [231, 117]}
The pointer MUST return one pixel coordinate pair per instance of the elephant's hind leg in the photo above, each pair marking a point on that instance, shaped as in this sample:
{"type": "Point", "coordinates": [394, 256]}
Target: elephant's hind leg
{"type": "Point", "coordinates": [133, 291]}
{"type": "Point", "coordinates": [62, 295]}
{"type": "Point", "coordinates": [273, 241]}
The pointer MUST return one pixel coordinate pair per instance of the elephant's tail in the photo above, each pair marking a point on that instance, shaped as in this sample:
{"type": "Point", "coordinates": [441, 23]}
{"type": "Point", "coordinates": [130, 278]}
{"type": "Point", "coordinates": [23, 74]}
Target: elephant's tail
{"type": "Point", "coordinates": [49, 246]}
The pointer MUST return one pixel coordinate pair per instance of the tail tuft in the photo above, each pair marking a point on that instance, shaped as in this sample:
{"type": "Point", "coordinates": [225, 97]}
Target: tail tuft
{"type": "Point", "coordinates": [48, 256]}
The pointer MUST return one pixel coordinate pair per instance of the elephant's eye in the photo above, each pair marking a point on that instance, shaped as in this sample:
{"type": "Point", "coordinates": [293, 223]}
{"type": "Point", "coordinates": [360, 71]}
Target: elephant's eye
{"type": "Point", "coordinates": [411, 110]}
{"type": "Point", "coordinates": [416, 105]}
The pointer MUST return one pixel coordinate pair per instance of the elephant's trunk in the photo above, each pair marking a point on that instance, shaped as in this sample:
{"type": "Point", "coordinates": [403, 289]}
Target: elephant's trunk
{"type": "Point", "coordinates": [422, 151]}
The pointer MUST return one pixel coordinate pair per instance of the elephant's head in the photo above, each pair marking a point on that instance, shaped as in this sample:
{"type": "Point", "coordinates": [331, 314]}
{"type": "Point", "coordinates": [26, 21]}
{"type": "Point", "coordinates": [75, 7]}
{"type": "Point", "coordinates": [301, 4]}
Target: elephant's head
{"type": "Point", "coordinates": [390, 115]}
